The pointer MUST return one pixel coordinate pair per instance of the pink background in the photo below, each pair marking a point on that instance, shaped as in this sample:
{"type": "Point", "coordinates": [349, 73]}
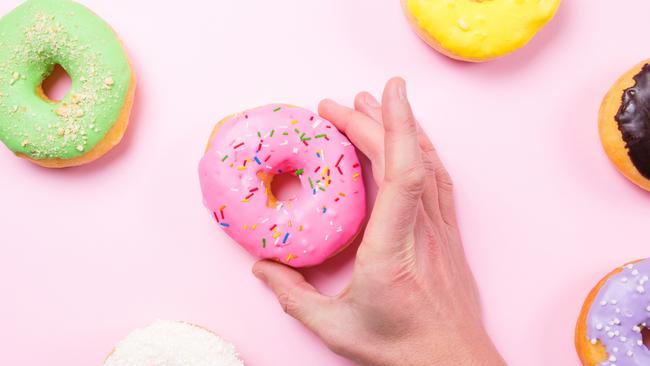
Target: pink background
{"type": "Point", "coordinates": [90, 253]}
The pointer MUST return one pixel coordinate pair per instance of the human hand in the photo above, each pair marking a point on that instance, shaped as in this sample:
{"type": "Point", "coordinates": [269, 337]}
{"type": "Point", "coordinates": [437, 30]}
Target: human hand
{"type": "Point", "coordinates": [412, 299]}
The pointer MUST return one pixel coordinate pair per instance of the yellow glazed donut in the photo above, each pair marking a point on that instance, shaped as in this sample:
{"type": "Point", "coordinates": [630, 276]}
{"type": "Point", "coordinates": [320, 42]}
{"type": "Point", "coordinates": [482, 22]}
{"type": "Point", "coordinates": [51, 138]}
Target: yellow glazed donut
{"type": "Point", "coordinates": [478, 30]}
{"type": "Point", "coordinates": [624, 124]}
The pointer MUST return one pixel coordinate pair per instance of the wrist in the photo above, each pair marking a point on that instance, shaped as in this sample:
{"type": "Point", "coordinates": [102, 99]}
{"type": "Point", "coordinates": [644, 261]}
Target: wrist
{"type": "Point", "coordinates": [477, 350]}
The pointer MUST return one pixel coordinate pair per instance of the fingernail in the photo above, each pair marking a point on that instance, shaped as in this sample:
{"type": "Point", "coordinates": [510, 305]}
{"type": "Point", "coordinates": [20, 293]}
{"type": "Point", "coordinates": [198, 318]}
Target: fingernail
{"type": "Point", "coordinates": [371, 101]}
{"type": "Point", "coordinates": [401, 90]}
{"type": "Point", "coordinates": [260, 276]}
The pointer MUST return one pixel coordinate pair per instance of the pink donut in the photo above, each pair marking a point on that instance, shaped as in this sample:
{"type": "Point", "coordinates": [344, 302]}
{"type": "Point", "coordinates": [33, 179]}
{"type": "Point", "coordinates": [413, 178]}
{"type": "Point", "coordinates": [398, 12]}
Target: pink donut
{"type": "Point", "coordinates": [248, 150]}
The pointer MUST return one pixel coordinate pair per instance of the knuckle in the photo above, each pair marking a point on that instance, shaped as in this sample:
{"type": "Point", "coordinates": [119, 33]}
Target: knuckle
{"type": "Point", "coordinates": [412, 180]}
{"type": "Point", "coordinates": [335, 344]}
{"type": "Point", "coordinates": [288, 302]}
{"type": "Point", "coordinates": [444, 179]}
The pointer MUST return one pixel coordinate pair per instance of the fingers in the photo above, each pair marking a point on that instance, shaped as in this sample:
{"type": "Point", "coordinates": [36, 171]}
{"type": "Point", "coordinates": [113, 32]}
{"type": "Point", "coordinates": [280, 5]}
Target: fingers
{"type": "Point", "coordinates": [438, 194]}
{"type": "Point", "coordinates": [393, 217]}
{"type": "Point", "coordinates": [296, 296]}
{"type": "Point", "coordinates": [403, 158]}
{"type": "Point", "coordinates": [368, 105]}
{"type": "Point", "coordinates": [364, 133]}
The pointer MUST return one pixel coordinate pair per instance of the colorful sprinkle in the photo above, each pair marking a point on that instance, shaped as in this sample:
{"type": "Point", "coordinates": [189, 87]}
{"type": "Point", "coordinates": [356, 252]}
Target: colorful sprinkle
{"type": "Point", "coordinates": [225, 225]}
{"type": "Point", "coordinates": [299, 172]}
{"type": "Point", "coordinates": [263, 242]}
{"type": "Point", "coordinates": [216, 216]}
{"type": "Point", "coordinates": [320, 136]}
{"type": "Point", "coordinates": [238, 145]}
{"type": "Point", "coordinates": [258, 161]}
{"type": "Point", "coordinates": [286, 236]}
{"type": "Point", "coordinates": [339, 161]}
{"type": "Point", "coordinates": [273, 227]}
{"type": "Point", "coordinates": [221, 209]}
{"type": "Point", "coordinates": [277, 109]}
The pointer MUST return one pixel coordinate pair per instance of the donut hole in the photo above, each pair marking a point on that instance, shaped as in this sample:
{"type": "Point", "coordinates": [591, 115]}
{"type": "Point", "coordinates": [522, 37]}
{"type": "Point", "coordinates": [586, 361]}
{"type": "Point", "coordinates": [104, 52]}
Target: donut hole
{"type": "Point", "coordinates": [56, 85]}
{"type": "Point", "coordinates": [286, 186]}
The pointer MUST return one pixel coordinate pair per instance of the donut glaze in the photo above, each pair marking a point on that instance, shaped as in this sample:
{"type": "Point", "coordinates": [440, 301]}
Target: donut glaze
{"type": "Point", "coordinates": [634, 121]}
{"type": "Point", "coordinates": [244, 154]}
{"type": "Point", "coordinates": [91, 118]}
{"type": "Point", "coordinates": [617, 312]}
{"type": "Point", "coordinates": [478, 30]}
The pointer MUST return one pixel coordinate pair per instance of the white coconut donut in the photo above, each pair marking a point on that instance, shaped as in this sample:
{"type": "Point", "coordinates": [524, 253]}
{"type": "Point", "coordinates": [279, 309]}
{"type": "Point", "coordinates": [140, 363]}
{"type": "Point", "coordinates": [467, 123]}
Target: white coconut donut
{"type": "Point", "coordinates": [169, 343]}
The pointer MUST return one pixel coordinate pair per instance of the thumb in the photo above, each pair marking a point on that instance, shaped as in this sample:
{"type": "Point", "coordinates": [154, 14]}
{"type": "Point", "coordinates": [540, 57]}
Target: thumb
{"type": "Point", "coordinates": [297, 297]}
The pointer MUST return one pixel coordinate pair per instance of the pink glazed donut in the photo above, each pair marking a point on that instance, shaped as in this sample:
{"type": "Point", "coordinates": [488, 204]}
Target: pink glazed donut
{"type": "Point", "coordinates": [248, 150]}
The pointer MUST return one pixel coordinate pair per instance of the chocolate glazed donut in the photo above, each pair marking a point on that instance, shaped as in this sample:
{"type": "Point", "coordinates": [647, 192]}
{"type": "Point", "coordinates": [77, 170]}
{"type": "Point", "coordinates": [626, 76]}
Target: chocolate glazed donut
{"type": "Point", "coordinates": [633, 120]}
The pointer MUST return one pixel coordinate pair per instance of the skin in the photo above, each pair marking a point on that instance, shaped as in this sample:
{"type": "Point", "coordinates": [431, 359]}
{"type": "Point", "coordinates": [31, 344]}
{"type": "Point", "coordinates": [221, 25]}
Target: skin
{"type": "Point", "coordinates": [412, 299]}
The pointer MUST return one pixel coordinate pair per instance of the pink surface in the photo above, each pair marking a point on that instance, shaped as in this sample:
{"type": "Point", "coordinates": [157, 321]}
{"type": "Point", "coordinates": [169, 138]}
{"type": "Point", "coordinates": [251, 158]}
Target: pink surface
{"type": "Point", "coordinates": [89, 254]}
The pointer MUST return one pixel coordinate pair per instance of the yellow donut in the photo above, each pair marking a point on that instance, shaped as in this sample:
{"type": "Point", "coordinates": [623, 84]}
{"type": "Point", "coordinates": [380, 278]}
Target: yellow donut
{"type": "Point", "coordinates": [478, 30]}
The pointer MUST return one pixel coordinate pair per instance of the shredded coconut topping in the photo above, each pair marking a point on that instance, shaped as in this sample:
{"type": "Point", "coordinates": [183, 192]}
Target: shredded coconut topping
{"type": "Point", "coordinates": [168, 343]}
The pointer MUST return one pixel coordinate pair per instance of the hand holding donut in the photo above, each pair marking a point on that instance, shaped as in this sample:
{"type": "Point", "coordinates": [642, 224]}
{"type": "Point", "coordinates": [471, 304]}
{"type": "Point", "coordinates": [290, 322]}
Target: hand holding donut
{"type": "Point", "coordinates": [413, 298]}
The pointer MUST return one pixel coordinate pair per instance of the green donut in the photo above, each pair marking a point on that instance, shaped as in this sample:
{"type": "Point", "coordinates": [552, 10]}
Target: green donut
{"type": "Point", "coordinates": [34, 38]}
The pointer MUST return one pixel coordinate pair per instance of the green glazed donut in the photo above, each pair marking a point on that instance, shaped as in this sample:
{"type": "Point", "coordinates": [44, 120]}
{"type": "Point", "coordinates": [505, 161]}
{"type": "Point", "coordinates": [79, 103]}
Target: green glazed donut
{"type": "Point", "coordinates": [92, 117]}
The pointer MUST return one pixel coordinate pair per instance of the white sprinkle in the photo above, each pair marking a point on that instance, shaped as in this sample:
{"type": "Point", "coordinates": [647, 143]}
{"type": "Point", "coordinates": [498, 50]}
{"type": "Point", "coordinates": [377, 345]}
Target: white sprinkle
{"type": "Point", "coordinates": [316, 123]}
{"type": "Point", "coordinates": [599, 326]}
{"type": "Point", "coordinates": [635, 272]}
{"type": "Point", "coordinates": [640, 289]}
